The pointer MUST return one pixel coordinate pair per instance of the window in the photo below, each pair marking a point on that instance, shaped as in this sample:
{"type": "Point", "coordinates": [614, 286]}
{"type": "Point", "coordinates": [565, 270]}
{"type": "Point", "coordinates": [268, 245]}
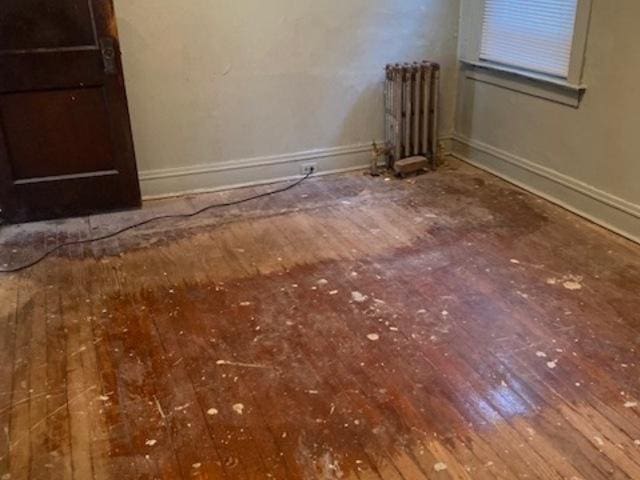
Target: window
{"type": "Point", "coordinates": [532, 46]}
{"type": "Point", "coordinates": [535, 35]}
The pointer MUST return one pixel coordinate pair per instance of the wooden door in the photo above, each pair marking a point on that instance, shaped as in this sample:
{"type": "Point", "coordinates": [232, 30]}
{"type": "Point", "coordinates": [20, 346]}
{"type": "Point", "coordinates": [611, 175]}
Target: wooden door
{"type": "Point", "coordinates": [65, 135]}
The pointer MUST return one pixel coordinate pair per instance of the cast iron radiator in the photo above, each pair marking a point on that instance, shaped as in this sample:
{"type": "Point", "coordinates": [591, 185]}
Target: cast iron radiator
{"type": "Point", "coordinates": [411, 111]}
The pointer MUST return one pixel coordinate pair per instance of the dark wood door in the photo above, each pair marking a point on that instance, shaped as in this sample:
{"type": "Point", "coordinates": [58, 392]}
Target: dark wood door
{"type": "Point", "coordinates": [65, 135]}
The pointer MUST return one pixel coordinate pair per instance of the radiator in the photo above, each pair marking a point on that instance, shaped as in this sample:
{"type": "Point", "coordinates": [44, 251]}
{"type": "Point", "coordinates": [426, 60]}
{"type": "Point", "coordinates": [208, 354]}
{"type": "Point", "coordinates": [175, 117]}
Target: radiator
{"type": "Point", "coordinates": [411, 111]}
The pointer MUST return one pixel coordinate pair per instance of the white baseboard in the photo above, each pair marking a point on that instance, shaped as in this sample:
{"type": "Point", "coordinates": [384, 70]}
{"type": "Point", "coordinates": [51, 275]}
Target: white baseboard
{"type": "Point", "coordinates": [253, 171]}
{"type": "Point", "coordinates": [609, 211]}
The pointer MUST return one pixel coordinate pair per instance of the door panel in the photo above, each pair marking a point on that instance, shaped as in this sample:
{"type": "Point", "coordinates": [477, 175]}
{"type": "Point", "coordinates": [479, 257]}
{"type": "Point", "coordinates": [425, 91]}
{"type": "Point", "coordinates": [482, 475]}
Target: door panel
{"type": "Point", "coordinates": [28, 24]}
{"type": "Point", "coordinates": [71, 125]}
{"type": "Point", "coordinates": [50, 70]}
{"type": "Point", "coordinates": [65, 134]}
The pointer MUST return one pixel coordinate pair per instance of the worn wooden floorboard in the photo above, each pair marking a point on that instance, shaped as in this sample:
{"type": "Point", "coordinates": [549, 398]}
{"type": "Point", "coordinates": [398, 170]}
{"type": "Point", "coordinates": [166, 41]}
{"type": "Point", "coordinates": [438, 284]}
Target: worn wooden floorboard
{"type": "Point", "coordinates": [448, 326]}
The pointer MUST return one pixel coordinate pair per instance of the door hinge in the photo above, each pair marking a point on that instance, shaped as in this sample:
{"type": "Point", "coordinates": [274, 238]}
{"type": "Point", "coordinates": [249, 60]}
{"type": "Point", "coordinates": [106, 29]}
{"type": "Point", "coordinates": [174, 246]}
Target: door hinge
{"type": "Point", "coordinates": [109, 56]}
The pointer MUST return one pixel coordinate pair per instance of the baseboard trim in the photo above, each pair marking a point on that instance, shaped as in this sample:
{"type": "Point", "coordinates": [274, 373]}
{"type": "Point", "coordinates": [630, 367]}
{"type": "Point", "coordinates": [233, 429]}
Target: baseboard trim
{"type": "Point", "coordinates": [220, 176]}
{"type": "Point", "coordinates": [253, 171]}
{"type": "Point", "coordinates": [608, 211]}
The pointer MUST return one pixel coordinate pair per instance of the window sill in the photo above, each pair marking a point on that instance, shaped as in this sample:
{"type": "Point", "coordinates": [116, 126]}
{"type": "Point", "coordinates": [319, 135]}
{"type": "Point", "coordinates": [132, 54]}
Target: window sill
{"type": "Point", "coordinates": [529, 83]}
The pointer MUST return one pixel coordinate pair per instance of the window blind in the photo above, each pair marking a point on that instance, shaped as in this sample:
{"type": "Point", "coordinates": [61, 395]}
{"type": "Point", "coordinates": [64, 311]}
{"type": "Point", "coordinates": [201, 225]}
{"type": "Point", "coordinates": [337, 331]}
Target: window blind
{"type": "Point", "coordinates": [536, 35]}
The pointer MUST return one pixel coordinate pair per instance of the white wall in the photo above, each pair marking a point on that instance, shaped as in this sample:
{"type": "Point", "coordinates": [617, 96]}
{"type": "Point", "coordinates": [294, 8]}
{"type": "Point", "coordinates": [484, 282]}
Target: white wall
{"type": "Point", "coordinates": [587, 159]}
{"type": "Point", "coordinates": [218, 84]}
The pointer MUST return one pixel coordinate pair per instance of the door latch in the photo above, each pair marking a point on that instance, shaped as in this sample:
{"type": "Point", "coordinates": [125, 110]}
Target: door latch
{"type": "Point", "coordinates": [109, 58]}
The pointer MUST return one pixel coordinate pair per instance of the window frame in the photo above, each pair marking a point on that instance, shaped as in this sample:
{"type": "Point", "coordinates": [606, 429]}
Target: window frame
{"type": "Point", "coordinates": [568, 91]}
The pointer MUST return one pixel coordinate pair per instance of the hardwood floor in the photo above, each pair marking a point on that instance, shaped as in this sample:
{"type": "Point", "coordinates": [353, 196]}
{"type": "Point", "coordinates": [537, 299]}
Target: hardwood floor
{"type": "Point", "coordinates": [448, 326]}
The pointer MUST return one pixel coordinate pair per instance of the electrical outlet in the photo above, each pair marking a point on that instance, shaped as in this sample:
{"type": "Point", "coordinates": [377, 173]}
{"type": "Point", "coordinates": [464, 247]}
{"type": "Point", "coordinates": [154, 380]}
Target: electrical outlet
{"type": "Point", "coordinates": [308, 168]}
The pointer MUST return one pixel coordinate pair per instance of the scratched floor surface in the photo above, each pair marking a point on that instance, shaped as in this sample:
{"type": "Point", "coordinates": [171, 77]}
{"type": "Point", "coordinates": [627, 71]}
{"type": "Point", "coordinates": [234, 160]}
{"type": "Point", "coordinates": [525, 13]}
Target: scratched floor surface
{"type": "Point", "coordinates": [448, 326]}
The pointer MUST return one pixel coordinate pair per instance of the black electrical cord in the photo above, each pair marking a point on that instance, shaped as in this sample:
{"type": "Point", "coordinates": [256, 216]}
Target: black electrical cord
{"type": "Point", "coordinates": [50, 252]}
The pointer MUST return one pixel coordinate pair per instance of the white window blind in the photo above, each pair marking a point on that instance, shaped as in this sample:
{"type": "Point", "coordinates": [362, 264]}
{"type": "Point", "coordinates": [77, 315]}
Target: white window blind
{"type": "Point", "coordinates": [536, 35]}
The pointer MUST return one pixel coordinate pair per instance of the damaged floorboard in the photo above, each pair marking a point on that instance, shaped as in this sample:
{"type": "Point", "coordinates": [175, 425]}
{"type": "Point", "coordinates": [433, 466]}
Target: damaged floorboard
{"type": "Point", "coordinates": [449, 326]}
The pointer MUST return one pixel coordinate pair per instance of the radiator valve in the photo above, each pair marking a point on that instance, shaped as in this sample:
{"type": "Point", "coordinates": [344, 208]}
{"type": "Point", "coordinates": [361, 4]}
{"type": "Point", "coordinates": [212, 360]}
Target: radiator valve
{"type": "Point", "coordinates": [377, 152]}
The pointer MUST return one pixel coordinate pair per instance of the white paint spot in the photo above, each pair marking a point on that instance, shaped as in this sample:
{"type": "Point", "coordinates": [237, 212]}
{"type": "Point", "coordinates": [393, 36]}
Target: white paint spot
{"type": "Point", "coordinates": [514, 261]}
{"type": "Point", "coordinates": [333, 292]}
{"type": "Point", "coordinates": [322, 282]}
{"type": "Point", "coordinates": [212, 411]}
{"type": "Point", "coordinates": [374, 337]}
{"type": "Point", "coordinates": [570, 282]}
{"type": "Point", "coordinates": [358, 297]}
{"type": "Point", "coordinates": [572, 285]}
{"type": "Point", "coordinates": [599, 441]}
{"type": "Point", "coordinates": [421, 312]}
{"type": "Point", "coordinates": [541, 355]}
{"type": "Point", "coordinates": [238, 408]}
{"type": "Point", "coordinates": [394, 329]}
{"type": "Point", "coordinates": [440, 467]}
{"type": "Point", "coordinates": [553, 364]}
{"type": "Point", "coordinates": [445, 313]}
{"type": "Point", "coordinates": [151, 443]}
{"type": "Point", "coordinates": [245, 304]}
{"type": "Point", "coordinates": [631, 405]}
{"type": "Point", "coordinates": [196, 465]}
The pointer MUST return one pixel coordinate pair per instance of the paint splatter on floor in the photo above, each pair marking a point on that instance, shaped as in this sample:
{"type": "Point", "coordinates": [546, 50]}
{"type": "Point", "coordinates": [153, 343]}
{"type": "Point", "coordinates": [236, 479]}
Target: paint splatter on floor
{"type": "Point", "coordinates": [572, 285]}
{"type": "Point", "coordinates": [440, 467]}
{"type": "Point", "coordinates": [358, 297]}
{"type": "Point", "coordinates": [569, 282]}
